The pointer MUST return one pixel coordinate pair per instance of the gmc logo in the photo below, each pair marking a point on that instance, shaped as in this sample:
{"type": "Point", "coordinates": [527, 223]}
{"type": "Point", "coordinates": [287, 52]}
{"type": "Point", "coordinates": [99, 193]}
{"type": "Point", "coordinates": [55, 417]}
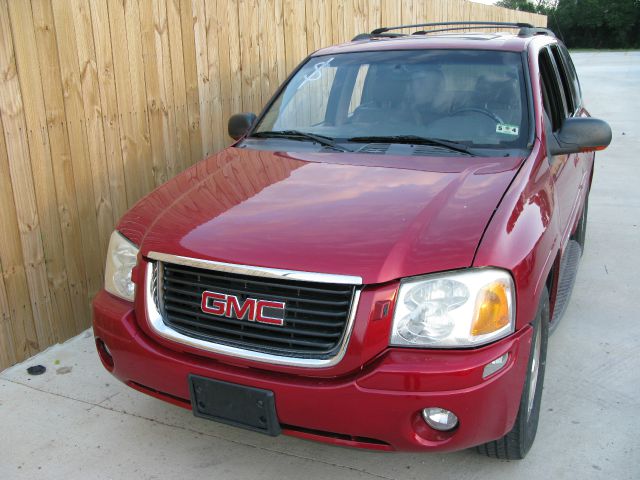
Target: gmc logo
{"type": "Point", "coordinates": [262, 311]}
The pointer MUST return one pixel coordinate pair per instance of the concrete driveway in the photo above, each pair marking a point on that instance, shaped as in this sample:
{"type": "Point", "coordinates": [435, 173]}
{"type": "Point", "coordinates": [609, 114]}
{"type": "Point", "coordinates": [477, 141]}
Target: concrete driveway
{"type": "Point", "coordinates": [76, 421]}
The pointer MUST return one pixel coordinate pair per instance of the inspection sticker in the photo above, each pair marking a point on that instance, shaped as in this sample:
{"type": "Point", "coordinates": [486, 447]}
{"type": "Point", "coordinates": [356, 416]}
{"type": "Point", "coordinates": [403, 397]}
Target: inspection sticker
{"type": "Point", "coordinates": [507, 129]}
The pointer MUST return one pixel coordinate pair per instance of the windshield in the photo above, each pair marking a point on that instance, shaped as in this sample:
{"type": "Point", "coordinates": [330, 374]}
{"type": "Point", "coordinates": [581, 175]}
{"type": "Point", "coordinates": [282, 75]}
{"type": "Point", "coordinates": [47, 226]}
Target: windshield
{"type": "Point", "coordinates": [471, 97]}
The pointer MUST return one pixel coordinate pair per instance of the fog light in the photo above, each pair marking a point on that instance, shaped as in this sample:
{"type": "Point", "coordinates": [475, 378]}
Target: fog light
{"type": "Point", "coordinates": [106, 348]}
{"type": "Point", "coordinates": [440, 419]}
{"type": "Point", "coordinates": [493, 367]}
{"type": "Point", "coordinates": [105, 354]}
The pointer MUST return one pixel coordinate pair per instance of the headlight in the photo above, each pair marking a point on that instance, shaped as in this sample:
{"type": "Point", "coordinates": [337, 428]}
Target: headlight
{"type": "Point", "coordinates": [457, 309]}
{"type": "Point", "coordinates": [121, 258]}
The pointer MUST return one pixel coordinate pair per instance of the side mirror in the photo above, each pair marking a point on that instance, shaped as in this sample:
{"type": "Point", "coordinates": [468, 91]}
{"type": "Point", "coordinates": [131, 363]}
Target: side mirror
{"type": "Point", "coordinates": [580, 134]}
{"type": "Point", "coordinates": [240, 123]}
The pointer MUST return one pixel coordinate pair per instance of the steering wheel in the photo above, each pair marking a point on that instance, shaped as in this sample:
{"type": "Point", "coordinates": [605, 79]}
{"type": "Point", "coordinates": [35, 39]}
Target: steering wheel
{"type": "Point", "coordinates": [483, 111]}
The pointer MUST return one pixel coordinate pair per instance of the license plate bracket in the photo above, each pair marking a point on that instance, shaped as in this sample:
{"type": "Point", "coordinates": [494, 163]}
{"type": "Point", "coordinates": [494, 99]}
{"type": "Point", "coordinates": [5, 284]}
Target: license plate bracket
{"type": "Point", "coordinates": [238, 405]}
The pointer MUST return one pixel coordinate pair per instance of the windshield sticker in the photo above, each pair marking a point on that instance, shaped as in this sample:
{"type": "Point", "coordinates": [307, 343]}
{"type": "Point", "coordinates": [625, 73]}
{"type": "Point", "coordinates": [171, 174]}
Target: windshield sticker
{"type": "Point", "coordinates": [317, 72]}
{"type": "Point", "coordinates": [507, 129]}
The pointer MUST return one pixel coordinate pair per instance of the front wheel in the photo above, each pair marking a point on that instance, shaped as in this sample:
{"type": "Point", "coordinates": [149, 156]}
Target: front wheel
{"type": "Point", "coordinates": [515, 444]}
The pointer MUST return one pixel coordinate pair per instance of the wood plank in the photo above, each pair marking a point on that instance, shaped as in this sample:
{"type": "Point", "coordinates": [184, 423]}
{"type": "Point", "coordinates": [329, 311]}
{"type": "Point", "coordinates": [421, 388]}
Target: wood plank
{"type": "Point", "coordinates": [218, 126]}
{"type": "Point", "coordinates": [277, 55]}
{"type": "Point", "coordinates": [315, 19]}
{"type": "Point", "coordinates": [88, 78]}
{"type": "Point", "coordinates": [471, 12]}
{"type": "Point", "coordinates": [233, 27]}
{"type": "Point", "coordinates": [7, 346]}
{"type": "Point", "coordinates": [138, 91]}
{"type": "Point", "coordinates": [108, 106]}
{"type": "Point", "coordinates": [179, 101]}
{"type": "Point", "coordinates": [162, 40]}
{"type": "Point", "coordinates": [191, 80]}
{"type": "Point", "coordinates": [25, 49]}
{"type": "Point", "coordinates": [255, 53]}
{"type": "Point", "coordinates": [454, 11]}
{"type": "Point", "coordinates": [312, 27]}
{"type": "Point", "coordinates": [93, 245]}
{"type": "Point", "coordinates": [156, 106]}
{"type": "Point", "coordinates": [429, 10]}
{"type": "Point", "coordinates": [61, 160]}
{"type": "Point", "coordinates": [444, 13]}
{"type": "Point", "coordinates": [202, 65]}
{"type": "Point", "coordinates": [24, 340]}
{"type": "Point", "coordinates": [223, 21]}
{"type": "Point", "coordinates": [337, 20]}
{"type": "Point", "coordinates": [421, 12]}
{"type": "Point", "coordinates": [295, 36]}
{"type": "Point", "coordinates": [250, 55]}
{"type": "Point", "coordinates": [408, 14]}
{"type": "Point", "coordinates": [135, 147]}
{"type": "Point", "coordinates": [342, 22]}
{"type": "Point", "coordinates": [360, 22]}
{"type": "Point", "coordinates": [374, 14]}
{"type": "Point", "coordinates": [266, 40]}
{"type": "Point", "coordinates": [246, 62]}
{"type": "Point", "coordinates": [118, 35]}
{"type": "Point", "coordinates": [24, 197]}
{"type": "Point", "coordinates": [390, 13]}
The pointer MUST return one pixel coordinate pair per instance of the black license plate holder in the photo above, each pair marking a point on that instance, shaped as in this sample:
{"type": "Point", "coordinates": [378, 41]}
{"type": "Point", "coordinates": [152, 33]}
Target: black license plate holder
{"type": "Point", "coordinates": [238, 405]}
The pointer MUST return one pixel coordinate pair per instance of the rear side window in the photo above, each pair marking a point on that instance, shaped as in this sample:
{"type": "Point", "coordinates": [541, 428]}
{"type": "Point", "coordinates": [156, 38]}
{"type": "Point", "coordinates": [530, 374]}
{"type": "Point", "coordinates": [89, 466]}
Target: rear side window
{"type": "Point", "coordinates": [551, 91]}
{"type": "Point", "coordinates": [564, 79]}
{"type": "Point", "coordinates": [573, 77]}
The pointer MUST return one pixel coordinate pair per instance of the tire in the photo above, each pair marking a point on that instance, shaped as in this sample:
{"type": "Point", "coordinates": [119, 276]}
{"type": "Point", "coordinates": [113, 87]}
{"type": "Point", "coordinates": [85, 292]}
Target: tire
{"type": "Point", "coordinates": [580, 234]}
{"type": "Point", "coordinates": [515, 444]}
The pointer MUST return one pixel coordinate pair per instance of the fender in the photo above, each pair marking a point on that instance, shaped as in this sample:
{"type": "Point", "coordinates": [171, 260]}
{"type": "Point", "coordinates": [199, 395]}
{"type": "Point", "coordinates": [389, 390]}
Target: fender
{"type": "Point", "coordinates": [523, 235]}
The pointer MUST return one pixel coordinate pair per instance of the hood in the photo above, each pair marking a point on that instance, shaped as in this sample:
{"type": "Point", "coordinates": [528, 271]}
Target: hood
{"type": "Point", "coordinates": [374, 216]}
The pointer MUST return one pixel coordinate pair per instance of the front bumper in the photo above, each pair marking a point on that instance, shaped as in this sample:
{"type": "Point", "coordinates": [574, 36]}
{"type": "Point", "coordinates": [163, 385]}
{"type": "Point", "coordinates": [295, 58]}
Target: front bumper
{"type": "Point", "coordinates": [376, 407]}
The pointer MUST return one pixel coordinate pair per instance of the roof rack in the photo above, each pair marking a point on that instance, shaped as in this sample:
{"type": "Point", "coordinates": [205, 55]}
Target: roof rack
{"type": "Point", "coordinates": [530, 31]}
{"type": "Point", "coordinates": [367, 36]}
{"type": "Point", "coordinates": [472, 27]}
{"type": "Point", "coordinates": [525, 29]}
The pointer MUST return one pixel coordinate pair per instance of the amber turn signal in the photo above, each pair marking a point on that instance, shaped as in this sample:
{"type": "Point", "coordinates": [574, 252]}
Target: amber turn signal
{"type": "Point", "coordinates": [492, 309]}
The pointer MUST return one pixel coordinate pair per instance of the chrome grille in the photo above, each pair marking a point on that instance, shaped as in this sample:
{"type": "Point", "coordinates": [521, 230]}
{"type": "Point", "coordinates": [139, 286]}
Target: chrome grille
{"type": "Point", "coordinates": [316, 316]}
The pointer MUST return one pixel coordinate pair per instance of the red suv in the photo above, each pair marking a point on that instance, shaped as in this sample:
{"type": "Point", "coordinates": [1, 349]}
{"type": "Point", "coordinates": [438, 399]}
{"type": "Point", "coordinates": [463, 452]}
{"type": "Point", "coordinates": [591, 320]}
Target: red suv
{"type": "Point", "coordinates": [379, 258]}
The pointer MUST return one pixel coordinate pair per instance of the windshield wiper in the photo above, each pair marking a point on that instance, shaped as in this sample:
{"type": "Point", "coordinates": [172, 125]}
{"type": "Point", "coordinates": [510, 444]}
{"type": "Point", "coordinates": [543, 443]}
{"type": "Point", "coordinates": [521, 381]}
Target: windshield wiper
{"type": "Point", "coordinates": [298, 135]}
{"type": "Point", "coordinates": [415, 139]}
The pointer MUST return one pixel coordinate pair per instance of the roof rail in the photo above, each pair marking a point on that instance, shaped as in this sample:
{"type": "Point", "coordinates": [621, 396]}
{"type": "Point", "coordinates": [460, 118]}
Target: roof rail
{"type": "Point", "coordinates": [378, 31]}
{"type": "Point", "coordinates": [450, 29]}
{"type": "Point", "coordinates": [525, 29]}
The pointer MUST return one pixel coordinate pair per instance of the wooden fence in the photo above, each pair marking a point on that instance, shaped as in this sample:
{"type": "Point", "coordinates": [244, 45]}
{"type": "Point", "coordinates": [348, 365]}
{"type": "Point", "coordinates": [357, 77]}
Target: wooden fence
{"type": "Point", "coordinates": [101, 101]}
